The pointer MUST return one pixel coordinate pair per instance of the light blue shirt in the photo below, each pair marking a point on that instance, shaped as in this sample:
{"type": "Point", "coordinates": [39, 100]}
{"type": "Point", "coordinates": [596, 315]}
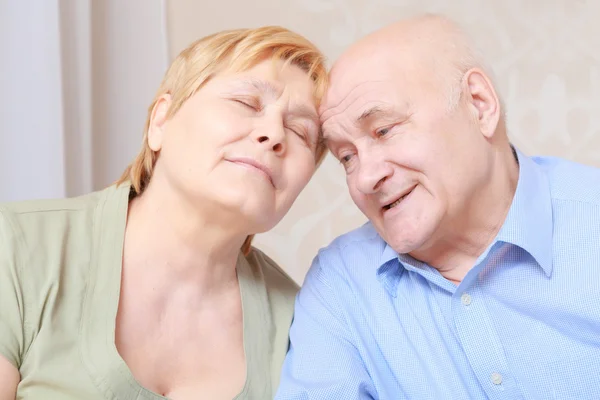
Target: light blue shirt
{"type": "Point", "coordinates": [523, 324]}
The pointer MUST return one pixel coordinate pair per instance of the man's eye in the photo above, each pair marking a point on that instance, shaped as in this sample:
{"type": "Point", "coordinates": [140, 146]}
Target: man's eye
{"type": "Point", "coordinates": [346, 158]}
{"type": "Point", "coordinates": [383, 131]}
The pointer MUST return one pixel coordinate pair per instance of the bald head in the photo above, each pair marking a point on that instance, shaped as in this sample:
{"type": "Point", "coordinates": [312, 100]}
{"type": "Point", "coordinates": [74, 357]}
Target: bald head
{"type": "Point", "coordinates": [416, 163]}
{"type": "Point", "coordinates": [429, 47]}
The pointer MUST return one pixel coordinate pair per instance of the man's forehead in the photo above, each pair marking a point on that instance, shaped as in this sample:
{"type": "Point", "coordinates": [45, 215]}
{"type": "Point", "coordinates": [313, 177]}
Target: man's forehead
{"type": "Point", "coordinates": [355, 99]}
{"type": "Point", "coordinates": [364, 80]}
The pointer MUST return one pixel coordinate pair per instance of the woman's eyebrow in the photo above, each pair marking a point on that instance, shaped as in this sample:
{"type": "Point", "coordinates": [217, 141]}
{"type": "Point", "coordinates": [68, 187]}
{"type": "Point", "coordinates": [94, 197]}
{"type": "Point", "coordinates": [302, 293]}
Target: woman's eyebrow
{"type": "Point", "coordinates": [261, 85]}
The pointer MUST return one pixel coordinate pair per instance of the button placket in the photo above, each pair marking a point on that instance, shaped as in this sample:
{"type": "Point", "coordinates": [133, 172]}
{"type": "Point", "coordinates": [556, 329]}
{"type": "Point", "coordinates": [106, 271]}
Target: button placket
{"type": "Point", "coordinates": [465, 299]}
{"type": "Point", "coordinates": [481, 344]}
{"type": "Point", "coordinates": [496, 378]}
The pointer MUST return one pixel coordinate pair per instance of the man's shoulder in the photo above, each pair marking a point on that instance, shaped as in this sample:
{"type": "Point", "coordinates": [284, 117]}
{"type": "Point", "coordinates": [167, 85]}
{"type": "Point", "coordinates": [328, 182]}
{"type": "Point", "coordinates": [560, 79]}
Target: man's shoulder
{"type": "Point", "coordinates": [364, 234]}
{"type": "Point", "coordinates": [571, 181]}
{"type": "Point", "coordinates": [355, 250]}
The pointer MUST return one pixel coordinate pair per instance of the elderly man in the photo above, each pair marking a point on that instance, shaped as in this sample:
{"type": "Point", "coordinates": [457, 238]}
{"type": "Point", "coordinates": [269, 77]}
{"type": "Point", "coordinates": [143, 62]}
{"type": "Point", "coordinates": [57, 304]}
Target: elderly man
{"type": "Point", "coordinates": [478, 275]}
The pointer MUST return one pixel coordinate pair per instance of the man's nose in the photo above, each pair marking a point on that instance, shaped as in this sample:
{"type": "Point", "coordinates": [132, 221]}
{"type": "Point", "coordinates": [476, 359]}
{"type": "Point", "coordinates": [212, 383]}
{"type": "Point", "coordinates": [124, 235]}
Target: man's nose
{"type": "Point", "coordinates": [373, 171]}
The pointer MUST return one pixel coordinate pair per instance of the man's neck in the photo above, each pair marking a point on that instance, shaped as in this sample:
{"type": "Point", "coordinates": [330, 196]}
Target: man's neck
{"type": "Point", "coordinates": [462, 239]}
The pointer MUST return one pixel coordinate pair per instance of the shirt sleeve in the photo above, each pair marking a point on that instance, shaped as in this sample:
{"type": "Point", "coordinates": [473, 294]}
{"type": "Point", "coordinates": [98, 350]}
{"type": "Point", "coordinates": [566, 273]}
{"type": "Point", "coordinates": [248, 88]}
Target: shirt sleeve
{"type": "Point", "coordinates": [11, 298]}
{"type": "Point", "coordinates": [322, 361]}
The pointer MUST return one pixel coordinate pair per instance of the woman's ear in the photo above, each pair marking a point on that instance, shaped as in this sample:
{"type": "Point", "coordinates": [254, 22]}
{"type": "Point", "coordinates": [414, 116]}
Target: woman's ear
{"type": "Point", "coordinates": [483, 101]}
{"type": "Point", "coordinates": [156, 127]}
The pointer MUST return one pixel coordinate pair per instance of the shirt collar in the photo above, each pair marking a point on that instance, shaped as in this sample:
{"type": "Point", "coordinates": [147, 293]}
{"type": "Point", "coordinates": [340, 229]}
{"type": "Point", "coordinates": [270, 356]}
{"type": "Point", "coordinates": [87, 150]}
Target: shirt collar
{"type": "Point", "coordinates": [528, 223]}
{"type": "Point", "coordinates": [389, 270]}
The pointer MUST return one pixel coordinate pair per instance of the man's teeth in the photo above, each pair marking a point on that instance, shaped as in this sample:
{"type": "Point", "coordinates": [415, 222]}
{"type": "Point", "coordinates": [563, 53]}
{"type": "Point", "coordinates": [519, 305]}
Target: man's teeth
{"type": "Point", "coordinates": [394, 204]}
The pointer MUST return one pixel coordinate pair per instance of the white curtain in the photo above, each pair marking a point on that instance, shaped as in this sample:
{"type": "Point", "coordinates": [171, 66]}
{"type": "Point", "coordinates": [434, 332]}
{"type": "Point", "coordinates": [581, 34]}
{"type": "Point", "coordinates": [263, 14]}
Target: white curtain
{"type": "Point", "coordinates": [76, 77]}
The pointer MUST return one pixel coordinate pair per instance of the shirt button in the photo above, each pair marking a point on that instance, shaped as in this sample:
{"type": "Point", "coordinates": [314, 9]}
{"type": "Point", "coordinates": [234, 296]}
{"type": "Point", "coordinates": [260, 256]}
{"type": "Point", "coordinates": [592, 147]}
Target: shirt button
{"type": "Point", "coordinates": [496, 378]}
{"type": "Point", "coordinates": [465, 299]}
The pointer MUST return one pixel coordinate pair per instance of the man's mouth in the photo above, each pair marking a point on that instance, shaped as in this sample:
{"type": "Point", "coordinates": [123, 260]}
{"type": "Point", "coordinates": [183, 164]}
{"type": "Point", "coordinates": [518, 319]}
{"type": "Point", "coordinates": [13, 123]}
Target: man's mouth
{"type": "Point", "coordinates": [395, 203]}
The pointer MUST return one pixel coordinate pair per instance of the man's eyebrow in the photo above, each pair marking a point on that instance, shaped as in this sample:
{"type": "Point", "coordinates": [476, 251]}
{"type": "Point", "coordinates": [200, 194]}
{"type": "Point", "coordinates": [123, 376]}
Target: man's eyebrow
{"type": "Point", "coordinates": [372, 112]}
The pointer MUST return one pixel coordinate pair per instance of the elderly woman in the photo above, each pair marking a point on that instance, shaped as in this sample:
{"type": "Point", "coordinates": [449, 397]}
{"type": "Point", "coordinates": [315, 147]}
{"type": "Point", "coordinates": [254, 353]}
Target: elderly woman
{"type": "Point", "coordinates": [149, 289]}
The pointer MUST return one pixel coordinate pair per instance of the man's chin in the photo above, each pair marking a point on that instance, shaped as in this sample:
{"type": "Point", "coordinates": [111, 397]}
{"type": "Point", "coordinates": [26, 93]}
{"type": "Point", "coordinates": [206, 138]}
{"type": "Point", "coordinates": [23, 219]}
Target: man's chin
{"type": "Point", "coordinates": [402, 244]}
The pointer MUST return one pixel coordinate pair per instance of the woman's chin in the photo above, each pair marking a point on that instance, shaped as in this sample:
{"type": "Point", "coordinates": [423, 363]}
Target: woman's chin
{"type": "Point", "coordinates": [260, 223]}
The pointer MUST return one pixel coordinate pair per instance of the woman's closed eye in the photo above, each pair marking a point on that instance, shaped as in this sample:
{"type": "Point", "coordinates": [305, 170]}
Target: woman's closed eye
{"type": "Point", "coordinates": [304, 132]}
{"type": "Point", "coordinates": [297, 131]}
{"type": "Point", "coordinates": [248, 103]}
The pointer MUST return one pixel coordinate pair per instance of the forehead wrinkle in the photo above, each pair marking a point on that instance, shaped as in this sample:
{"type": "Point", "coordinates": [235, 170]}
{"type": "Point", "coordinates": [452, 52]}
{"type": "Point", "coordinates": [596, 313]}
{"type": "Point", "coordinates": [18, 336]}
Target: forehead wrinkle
{"type": "Point", "coordinates": [371, 109]}
{"type": "Point", "coordinates": [345, 98]}
{"type": "Point", "coordinates": [382, 111]}
{"type": "Point", "coordinates": [326, 133]}
{"type": "Point", "coordinates": [348, 104]}
{"type": "Point", "coordinates": [349, 100]}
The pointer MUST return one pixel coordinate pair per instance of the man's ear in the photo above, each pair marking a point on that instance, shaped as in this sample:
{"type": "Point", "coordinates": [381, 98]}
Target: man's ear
{"type": "Point", "coordinates": [482, 100]}
{"type": "Point", "coordinates": [156, 127]}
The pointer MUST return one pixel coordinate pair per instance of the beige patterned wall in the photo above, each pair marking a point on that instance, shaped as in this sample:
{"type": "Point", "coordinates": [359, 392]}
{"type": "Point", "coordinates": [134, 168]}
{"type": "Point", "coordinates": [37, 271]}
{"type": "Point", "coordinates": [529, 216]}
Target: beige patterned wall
{"type": "Point", "coordinates": [545, 53]}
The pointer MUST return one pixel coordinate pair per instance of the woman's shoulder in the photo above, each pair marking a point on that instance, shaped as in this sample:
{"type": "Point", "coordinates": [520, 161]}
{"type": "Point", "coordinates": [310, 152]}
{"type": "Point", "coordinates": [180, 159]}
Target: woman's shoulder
{"type": "Point", "coordinates": [46, 218]}
{"type": "Point", "coordinates": [46, 238]}
{"type": "Point", "coordinates": [47, 249]}
{"type": "Point", "coordinates": [281, 292]}
{"type": "Point", "coordinates": [277, 281]}
{"type": "Point", "coordinates": [280, 288]}
{"type": "Point", "coordinates": [30, 227]}
{"type": "Point", "coordinates": [41, 208]}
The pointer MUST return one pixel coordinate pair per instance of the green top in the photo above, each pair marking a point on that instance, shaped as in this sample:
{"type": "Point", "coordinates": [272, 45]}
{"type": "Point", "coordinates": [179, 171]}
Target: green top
{"type": "Point", "coordinates": [60, 273]}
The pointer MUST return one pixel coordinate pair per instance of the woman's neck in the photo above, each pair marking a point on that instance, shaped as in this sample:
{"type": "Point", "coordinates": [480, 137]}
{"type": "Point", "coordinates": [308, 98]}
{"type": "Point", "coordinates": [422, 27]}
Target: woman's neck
{"type": "Point", "coordinates": [167, 233]}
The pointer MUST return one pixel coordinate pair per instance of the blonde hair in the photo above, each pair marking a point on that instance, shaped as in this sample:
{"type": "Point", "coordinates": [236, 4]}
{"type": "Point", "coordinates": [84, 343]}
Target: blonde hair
{"type": "Point", "coordinates": [236, 51]}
